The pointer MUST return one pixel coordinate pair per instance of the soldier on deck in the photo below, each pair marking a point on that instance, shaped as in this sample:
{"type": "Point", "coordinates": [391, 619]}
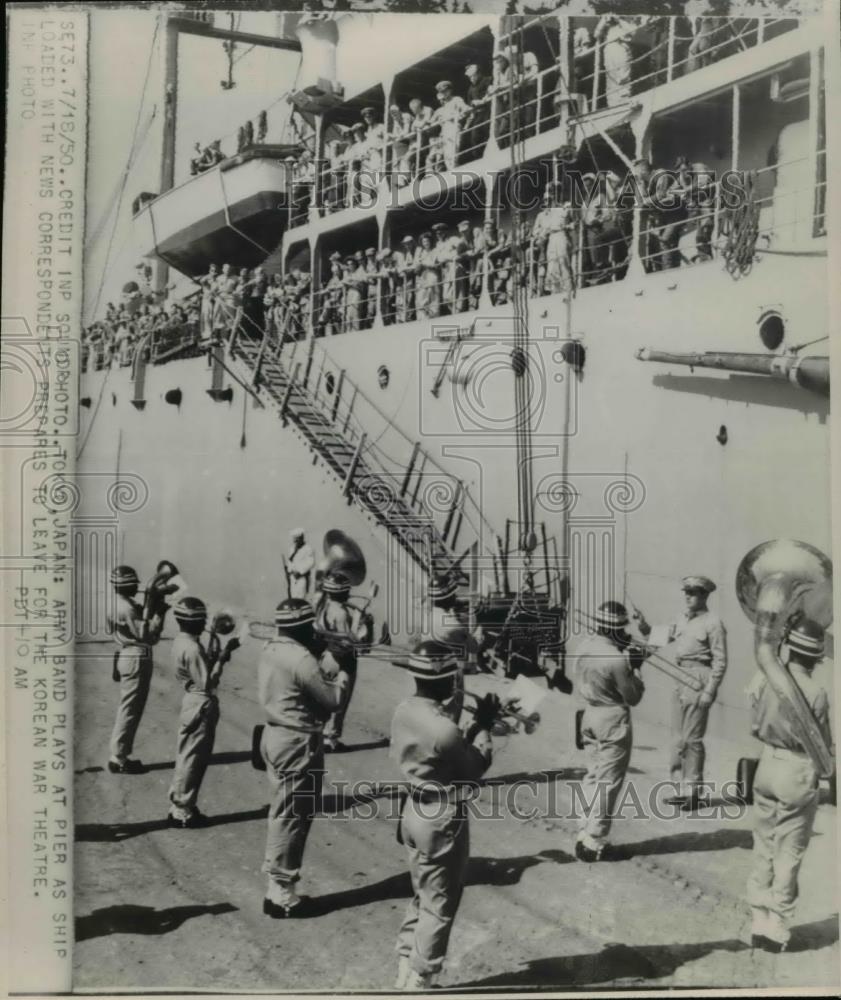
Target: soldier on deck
{"type": "Point", "coordinates": [298, 699]}
{"type": "Point", "coordinates": [199, 669]}
{"type": "Point", "coordinates": [405, 295]}
{"type": "Point", "coordinates": [441, 764]}
{"type": "Point", "coordinates": [698, 643]}
{"type": "Point", "coordinates": [372, 270]}
{"type": "Point", "coordinates": [609, 686]}
{"type": "Point", "coordinates": [785, 790]}
{"type": "Point", "coordinates": [299, 564]}
{"type": "Point", "coordinates": [135, 631]}
{"type": "Point", "coordinates": [346, 630]}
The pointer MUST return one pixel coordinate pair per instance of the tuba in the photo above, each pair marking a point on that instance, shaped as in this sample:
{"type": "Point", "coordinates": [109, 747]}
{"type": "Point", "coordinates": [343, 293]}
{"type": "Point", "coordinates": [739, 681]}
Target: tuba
{"type": "Point", "coordinates": [774, 582]}
{"type": "Point", "coordinates": [343, 555]}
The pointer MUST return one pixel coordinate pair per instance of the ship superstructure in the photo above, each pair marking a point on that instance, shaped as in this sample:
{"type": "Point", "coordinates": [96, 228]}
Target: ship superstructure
{"type": "Point", "coordinates": [639, 410]}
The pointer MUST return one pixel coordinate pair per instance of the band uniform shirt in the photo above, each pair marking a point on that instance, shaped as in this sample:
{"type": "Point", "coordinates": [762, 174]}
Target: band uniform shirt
{"type": "Point", "coordinates": [301, 559]}
{"type": "Point", "coordinates": [605, 676]}
{"type": "Point", "coordinates": [127, 622]}
{"type": "Point", "coordinates": [769, 722]}
{"type": "Point", "coordinates": [293, 689]}
{"type": "Point", "coordinates": [699, 639]}
{"type": "Point", "coordinates": [192, 664]}
{"type": "Point", "coordinates": [341, 620]}
{"type": "Point", "coordinates": [430, 748]}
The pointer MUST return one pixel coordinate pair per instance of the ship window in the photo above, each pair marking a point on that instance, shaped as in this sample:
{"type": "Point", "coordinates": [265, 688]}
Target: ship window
{"type": "Point", "coordinates": [771, 330]}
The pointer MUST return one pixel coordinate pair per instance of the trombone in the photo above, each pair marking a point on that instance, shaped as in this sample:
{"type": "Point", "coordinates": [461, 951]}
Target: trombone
{"type": "Point", "coordinates": [656, 659]}
{"type": "Point", "coordinates": [508, 720]}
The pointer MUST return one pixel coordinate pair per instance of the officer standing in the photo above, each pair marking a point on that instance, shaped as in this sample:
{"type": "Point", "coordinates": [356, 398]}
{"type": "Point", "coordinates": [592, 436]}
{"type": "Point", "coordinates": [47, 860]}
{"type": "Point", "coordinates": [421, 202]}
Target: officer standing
{"type": "Point", "coordinates": [298, 699]}
{"type": "Point", "coordinates": [199, 669]}
{"type": "Point", "coordinates": [609, 686]}
{"type": "Point", "coordinates": [135, 633]}
{"type": "Point", "coordinates": [345, 629]}
{"type": "Point", "coordinates": [785, 790]}
{"type": "Point", "coordinates": [299, 565]}
{"type": "Point", "coordinates": [698, 643]}
{"type": "Point", "coordinates": [441, 763]}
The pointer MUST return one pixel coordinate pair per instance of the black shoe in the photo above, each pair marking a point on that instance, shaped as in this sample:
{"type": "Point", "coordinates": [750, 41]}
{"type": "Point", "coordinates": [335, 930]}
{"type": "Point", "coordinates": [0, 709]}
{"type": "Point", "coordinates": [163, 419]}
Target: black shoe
{"type": "Point", "coordinates": [585, 853]}
{"type": "Point", "coordinates": [303, 908]}
{"type": "Point", "coordinates": [766, 944]}
{"type": "Point", "coordinates": [193, 822]}
{"type": "Point", "coordinates": [126, 767]}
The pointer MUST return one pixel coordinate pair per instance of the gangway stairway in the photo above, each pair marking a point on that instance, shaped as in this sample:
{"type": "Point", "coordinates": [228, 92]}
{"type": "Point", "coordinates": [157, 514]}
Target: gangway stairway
{"type": "Point", "coordinates": [426, 509]}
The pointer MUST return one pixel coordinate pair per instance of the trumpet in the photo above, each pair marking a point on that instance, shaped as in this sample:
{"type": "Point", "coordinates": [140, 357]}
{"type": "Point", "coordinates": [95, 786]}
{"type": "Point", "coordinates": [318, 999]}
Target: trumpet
{"type": "Point", "coordinates": [521, 723]}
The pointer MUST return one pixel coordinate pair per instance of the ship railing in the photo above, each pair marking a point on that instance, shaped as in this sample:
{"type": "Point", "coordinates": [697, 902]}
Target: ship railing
{"type": "Point", "coordinates": [672, 55]}
{"type": "Point", "coordinates": [388, 466]}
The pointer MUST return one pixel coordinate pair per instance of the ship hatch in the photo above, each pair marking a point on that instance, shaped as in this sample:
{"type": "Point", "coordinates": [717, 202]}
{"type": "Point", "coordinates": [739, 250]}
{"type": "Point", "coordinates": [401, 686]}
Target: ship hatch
{"type": "Point", "coordinates": [235, 213]}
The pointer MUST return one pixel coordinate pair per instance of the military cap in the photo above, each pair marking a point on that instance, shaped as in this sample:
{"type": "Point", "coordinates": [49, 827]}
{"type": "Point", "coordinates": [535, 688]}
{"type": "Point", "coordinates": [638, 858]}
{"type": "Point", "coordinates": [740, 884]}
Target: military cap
{"type": "Point", "coordinates": [335, 583]}
{"type": "Point", "coordinates": [464, 224]}
{"type": "Point", "coordinates": [368, 111]}
{"type": "Point", "coordinates": [807, 638]}
{"type": "Point", "coordinates": [443, 85]}
{"type": "Point", "coordinates": [408, 239]}
{"type": "Point", "coordinates": [432, 660]}
{"type": "Point", "coordinates": [471, 68]}
{"type": "Point", "coordinates": [697, 583]}
{"type": "Point", "coordinates": [358, 127]}
{"type": "Point", "coordinates": [611, 614]}
{"type": "Point", "coordinates": [439, 227]}
{"type": "Point", "coordinates": [501, 57]}
{"type": "Point", "coordinates": [358, 255]}
{"type": "Point", "coordinates": [124, 577]}
{"type": "Point", "coordinates": [335, 256]}
{"type": "Point", "coordinates": [442, 587]}
{"type": "Point", "coordinates": [190, 609]}
{"type": "Point", "coordinates": [370, 252]}
{"type": "Point", "coordinates": [292, 612]}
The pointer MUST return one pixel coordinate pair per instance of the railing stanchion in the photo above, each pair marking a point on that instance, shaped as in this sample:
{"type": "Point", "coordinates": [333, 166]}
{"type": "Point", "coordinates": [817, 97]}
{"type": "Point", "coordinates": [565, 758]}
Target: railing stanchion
{"type": "Point", "coordinates": [338, 392]}
{"type": "Point", "coordinates": [448, 523]}
{"type": "Point", "coordinates": [409, 468]}
{"type": "Point", "coordinates": [351, 472]}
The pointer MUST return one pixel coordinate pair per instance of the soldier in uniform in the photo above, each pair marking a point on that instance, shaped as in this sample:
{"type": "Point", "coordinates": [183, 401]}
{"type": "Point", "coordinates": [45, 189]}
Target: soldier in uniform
{"type": "Point", "coordinates": [698, 643]}
{"type": "Point", "coordinates": [609, 686]}
{"type": "Point", "coordinates": [449, 119]}
{"type": "Point", "coordinates": [346, 630]}
{"type": "Point", "coordinates": [445, 255]}
{"type": "Point", "coordinates": [543, 224]}
{"type": "Point", "coordinates": [299, 564]}
{"type": "Point", "coordinates": [199, 669]}
{"type": "Point", "coordinates": [406, 280]}
{"type": "Point", "coordinates": [439, 762]}
{"type": "Point", "coordinates": [298, 699]}
{"type": "Point", "coordinates": [332, 308]}
{"type": "Point", "coordinates": [463, 266]}
{"type": "Point", "coordinates": [785, 790]}
{"type": "Point", "coordinates": [372, 270]}
{"type": "Point", "coordinates": [135, 632]}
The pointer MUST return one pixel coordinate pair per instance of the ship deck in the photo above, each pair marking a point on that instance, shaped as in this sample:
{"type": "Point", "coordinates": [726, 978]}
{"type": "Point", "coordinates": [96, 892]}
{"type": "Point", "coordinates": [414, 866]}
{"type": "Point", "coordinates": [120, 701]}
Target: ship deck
{"type": "Point", "coordinates": [159, 908]}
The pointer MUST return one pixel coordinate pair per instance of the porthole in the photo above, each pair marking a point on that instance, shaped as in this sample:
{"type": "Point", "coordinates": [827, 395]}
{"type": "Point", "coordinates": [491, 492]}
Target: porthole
{"type": "Point", "coordinates": [772, 330]}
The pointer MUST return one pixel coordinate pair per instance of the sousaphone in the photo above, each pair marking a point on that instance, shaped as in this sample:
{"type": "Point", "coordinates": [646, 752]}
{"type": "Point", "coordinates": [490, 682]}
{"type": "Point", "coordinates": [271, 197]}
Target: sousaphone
{"type": "Point", "coordinates": [775, 582]}
{"type": "Point", "coordinates": [343, 555]}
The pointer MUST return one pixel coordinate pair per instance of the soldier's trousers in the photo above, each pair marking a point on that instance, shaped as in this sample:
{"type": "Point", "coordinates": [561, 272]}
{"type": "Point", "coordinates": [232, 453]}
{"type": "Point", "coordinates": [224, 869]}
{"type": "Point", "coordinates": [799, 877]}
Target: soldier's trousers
{"type": "Point", "coordinates": [336, 723]}
{"type": "Point", "coordinates": [689, 724]}
{"type": "Point", "coordinates": [785, 800]}
{"type": "Point", "coordinates": [196, 735]}
{"type": "Point", "coordinates": [295, 769]}
{"type": "Point", "coordinates": [437, 839]}
{"type": "Point", "coordinates": [607, 735]}
{"type": "Point", "coordinates": [134, 666]}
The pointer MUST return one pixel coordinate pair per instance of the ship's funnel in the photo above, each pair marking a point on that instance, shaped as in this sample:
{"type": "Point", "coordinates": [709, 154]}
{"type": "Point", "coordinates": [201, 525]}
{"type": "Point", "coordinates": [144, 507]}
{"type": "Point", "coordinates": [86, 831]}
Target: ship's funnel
{"type": "Point", "coordinates": [317, 87]}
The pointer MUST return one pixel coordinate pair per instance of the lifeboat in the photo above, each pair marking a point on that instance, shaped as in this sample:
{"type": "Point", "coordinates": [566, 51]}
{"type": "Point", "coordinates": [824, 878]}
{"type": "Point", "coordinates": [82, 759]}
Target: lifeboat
{"type": "Point", "coordinates": [234, 213]}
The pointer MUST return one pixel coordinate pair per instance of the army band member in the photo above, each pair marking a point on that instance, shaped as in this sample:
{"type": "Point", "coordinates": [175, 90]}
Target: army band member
{"type": "Point", "coordinates": [298, 699]}
{"type": "Point", "coordinates": [299, 564]}
{"type": "Point", "coordinates": [439, 761]}
{"type": "Point", "coordinates": [785, 790]}
{"type": "Point", "coordinates": [698, 643]}
{"type": "Point", "coordinates": [449, 627]}
{"type": "Point", "coordinates": [199, 669]}
{"type": "Point", "coordinates": [135, 632]}
{"type": "Point", "coordinates": [345, 630]}
{"type": "Point", "coordinates": [610, 686]}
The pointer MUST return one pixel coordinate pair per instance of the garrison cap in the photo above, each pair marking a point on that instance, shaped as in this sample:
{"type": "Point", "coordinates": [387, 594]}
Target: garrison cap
{"type": "Point", "coordinates": [408, 239]}
{"type": "Point", "coordinates": [464, 224]}
{"type": "Point", "coordinates": [807, 638]}
{"type": "Point", "coordinates": [371, 252]}
{"type": "Point", "coordinates": [190, 609]}
{"type": "Point", "coordinates": [292, 612]}
{"type": "Point", "coordinates": [443, 85]}
{"type": "Point", "coordinates": [124, 576]}
{"type": "Point", "coordinates": [432, 660]}
{"type": "Point", "coordinates": [335, 583]}
{"type": "Point", "coordinates": [335, 256]}
{"type": "Point", "coordinates": [439, 227]}
{"type": "Point", "coordinates": [442, 587]}
{"type": "Point", "coordinates": [697, 583]}
{"type": "Point", "coordinates": [611, 614]}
